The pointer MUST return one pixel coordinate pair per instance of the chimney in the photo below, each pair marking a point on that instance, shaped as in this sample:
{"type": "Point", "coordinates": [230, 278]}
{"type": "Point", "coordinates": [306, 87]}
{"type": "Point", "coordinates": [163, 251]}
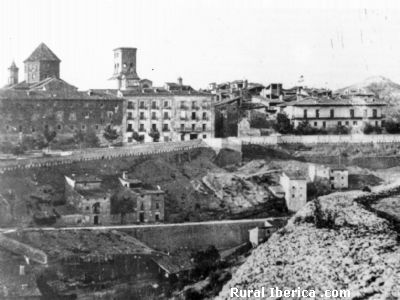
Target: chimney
{"type": "Point", "coordinates": [180, 81]}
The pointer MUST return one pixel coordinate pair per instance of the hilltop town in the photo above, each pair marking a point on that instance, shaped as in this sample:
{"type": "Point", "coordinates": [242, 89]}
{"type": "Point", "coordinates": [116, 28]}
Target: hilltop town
{"type": "Point", "coordinates": [179, 184]}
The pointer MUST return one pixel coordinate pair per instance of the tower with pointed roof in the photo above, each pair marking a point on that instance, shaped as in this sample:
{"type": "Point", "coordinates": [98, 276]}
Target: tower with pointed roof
{"type": "Point", "coordinates": [13, 74]}
{"type": "Point", "coordinates": [41, 64]}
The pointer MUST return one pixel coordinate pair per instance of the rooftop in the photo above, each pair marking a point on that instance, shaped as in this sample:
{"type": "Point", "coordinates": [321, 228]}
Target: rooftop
{"type": "Point", "coordinates": [85, 178]}
{"type": "Point", "coordinates": [42, 53]}
{"type": "Point", "coordinates": [325, 101]}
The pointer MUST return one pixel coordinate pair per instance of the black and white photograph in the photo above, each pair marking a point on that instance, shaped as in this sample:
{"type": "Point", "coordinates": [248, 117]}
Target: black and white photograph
{"type": "Point", "coordinates": [199, 149]}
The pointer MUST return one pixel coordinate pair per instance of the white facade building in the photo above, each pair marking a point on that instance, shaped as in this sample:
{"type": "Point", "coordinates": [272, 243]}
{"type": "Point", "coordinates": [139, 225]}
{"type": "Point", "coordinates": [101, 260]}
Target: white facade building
{"type": "Point", "coordinates": [329, 113]}
{"type": "Point", "coordinates": [295, 187]}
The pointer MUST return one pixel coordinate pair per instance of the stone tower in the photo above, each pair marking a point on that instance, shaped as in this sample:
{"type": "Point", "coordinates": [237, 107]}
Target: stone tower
{"type": "Point", "coordinates": [13, 74]}
{"type": "Point", "coordinates": [125, 68]}
{"type": "Point", "coordinates": [41, 64]}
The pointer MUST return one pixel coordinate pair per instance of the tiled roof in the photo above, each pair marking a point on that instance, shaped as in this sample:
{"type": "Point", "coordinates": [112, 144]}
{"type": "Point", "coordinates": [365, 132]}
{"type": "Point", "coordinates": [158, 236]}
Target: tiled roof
{"type": "Point", "coordinates": [51, 88]}
{"type": "Point", "coordinates": [42, 52]}
{"type": "Point", "coordinates": [310, 101]}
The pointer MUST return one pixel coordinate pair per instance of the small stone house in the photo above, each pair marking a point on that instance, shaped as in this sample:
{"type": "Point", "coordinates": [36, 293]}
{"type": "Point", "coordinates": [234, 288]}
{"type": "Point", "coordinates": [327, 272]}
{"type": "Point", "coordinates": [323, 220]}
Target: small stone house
{"type": "Point", "coordinates": [259, 234]}
{"type": "Point", "coordinates": [149, 204]}
{"type": "Point", "coordinates": [87, 195]}
{"type": "Point", "coordinates": [338, 177]}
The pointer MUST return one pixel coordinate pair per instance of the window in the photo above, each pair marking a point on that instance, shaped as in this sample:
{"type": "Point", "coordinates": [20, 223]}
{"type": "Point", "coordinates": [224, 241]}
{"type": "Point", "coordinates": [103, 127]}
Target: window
{"type": "Point", "coordinates": [96, 127]}
{"type": "Point", "coordinates": [141, 127]}
{"type": "Point", "coordinates": [157, 217]}
{"type": "Point", "coordinates": [59, 127]}
{"type": "Point", "coordinates": [317, 113]}
{"type": "Point", "coordinates": [130, 105]}
{"type": "Point", "coordinates": [204, 136]}
{"type": "Point", "coordinates": [154, 115]}
{"type": "Point", "coordinates": [332, 113]}
{"type": "Point", "coordinates": [83, 127]}
{"type": "Point", "coordinates": [339, 123]}
{"type": "Point", "coordinates": [305, 114]}
{"type": "Point", "coordinates": [204, 116]}
{"type": "Point", "coordinates": [374, 113]}
{"type": "Point", "coordinates": [20, 128]}
{"type": "Point", "coordinates": [352, 113]}
{"type": "Point", "coordinates": [129, 129]}
{"type": "Point", "coordinates": [157, 205]}
{"type": "Point", "coordinates": [154, 127]}
{"type": "Point", "coordinates": [166, 104]}
{"type": "Point", "coordinates": [324, 124]}
{"type": "Point", "coordinates": [165, 127]}
{"type": "Point", "coordinates": [154, 105]}
{"type": "Point", "coordinates": [193, 127]}
{"type": "Point", "coordinates": [142, 206]}
{"type": "Point", "coordinates": [293, 195]}
{"type": "Point", "coordinates": [109, 114]}
{"type": "Point", "coordinates": [141, 105]}
{"type": "Point", "coordinates": [354, 122]}
{"type": "Point", "coordinates": [347, 123]}
{"type": "Point", "coordinates": [193, 115]}
{"type": "Point", "coordinates": [33, 129]}
{"type": "Point", "coordinates": [141, 115]}
{"type": "Point", "coordinates": [365, 113]}
{"type": "Point", "coordinates": [376, 123]}
{"type": "Point", "coordinates": [166, 115]}
{"type": "Point", "coordinates": [315, 124]}
{"type": "Point", "coordinates": [204, 127]}
{"type": "Point", "coordinates": [182, 127]}
{"type": "Point", "coordinates": [72, 116]}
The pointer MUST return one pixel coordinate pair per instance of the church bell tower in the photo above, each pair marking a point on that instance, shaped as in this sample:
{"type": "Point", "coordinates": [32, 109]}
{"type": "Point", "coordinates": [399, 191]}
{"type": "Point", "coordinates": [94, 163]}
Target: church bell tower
{"type": "Point", "coordinates": [125, 68]}
{"type": "Point", "coordinates": [13, 74]}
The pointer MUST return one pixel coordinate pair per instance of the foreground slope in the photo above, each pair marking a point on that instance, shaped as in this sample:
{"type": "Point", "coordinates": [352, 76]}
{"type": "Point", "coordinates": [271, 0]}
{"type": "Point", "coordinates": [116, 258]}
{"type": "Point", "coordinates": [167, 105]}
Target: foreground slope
{"type": "Point", "coordinates": [332, 243]}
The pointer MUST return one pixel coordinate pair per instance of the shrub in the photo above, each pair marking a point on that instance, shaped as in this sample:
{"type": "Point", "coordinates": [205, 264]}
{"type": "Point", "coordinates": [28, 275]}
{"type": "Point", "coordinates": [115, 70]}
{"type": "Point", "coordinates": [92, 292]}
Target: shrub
{"type": "Point", "coordinates": [341, 129]}
{"type": "Point", "coordinates": [368, 128]}
{"type": "Point", "coordinates": [283, 124]}
{"type": "Point", "coordinates": [392, 126]}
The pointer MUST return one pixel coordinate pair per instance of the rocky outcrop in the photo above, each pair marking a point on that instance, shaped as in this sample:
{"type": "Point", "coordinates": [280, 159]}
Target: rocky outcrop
{"type": "Point", "coordinates": [332, 243]}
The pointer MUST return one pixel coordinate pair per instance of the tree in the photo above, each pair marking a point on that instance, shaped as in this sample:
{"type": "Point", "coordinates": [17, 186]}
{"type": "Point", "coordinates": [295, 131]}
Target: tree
{"type": "Point", "coordinates": [206, 261]}
{"type": "Point", "coordinates": [341, 129]}
{"type": "Point", "coordinates": [305, 128]}
{"type": "Point", "coordinates": [49, 135]}
{"type": "Point", "coordinates": [137, 137]}
{"type": "Point", "coordinates": [90, 139]}
{"type": "Point", "coordinates": [155, 135]}
{"type": "Point", "coordinates": [110, 134]}
{"type": "Point", "coordinates": [283, 124]}
{"type": "Point", "coordinates": [392, 126]}
{"type": "Point", "coordinates": [368, 128]}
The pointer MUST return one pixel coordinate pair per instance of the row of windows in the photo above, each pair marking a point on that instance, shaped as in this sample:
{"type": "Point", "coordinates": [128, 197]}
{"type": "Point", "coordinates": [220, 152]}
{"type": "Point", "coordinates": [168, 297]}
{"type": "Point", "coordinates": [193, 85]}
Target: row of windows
{"type": "Point", "coordinates": [332, 113]}
{"type": "Point", "coordinates": [165, 127]}
{"type": "Point", "coordinates": [166, 116]}
{"type": "Point", "coordinates": [345, 123]}
{"type": "Point", "coordinates": [58, 127]}
{"type": "Point", "coordinates": [167, 105]}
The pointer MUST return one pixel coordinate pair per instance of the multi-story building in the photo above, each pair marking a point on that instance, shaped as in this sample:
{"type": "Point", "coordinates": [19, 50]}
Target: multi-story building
{"type": "Point", "coordinates": [176, 111]}
{"type": "Point", "coordinates": [294, 185]}
{"type": "Point", "coordinates": [45, 101]}
{"type": "Point", "coordinates": [329, 113]}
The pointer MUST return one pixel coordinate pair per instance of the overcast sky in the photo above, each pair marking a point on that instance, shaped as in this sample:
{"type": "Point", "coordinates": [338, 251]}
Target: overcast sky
{"type": "Point", "coordinates": [331, 43]}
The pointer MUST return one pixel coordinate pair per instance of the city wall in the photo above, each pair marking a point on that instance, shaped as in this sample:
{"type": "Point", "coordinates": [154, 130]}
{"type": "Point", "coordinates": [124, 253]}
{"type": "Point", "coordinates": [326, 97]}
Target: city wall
{"type": "Point", "coordinates": [195, 236]}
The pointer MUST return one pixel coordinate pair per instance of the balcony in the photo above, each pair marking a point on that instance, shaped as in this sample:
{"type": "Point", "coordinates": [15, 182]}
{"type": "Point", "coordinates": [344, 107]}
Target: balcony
{"type": "Point", "coordinates": [155, 107]}
{"type": "Point", "coordinates": [167, 118]}
{"type": "Point", "coordinates": [184, 119]}
{"type": "Point", "coordinates": [206, 119]}
{"type": "Point", "coordinates": [129, 118]}
{"type": "Point", "coordinates": [131, 106]}
{"type": "Point", "coordinates": [142, 118]}
{"type": "Point", "coordinates": [205, 106]}
{"type": "Point", "coordinates": [166, 129]}
{"type": "Point", "coordinates": [142, 107]}
{"type": "Point", "coordinates": [142, 130]}
{"type": "Point", "coordinates": [195, 107]}
{"type": "Point", "coordinates": [155, 118]}
{"type": "Point", "coordinates": [183, 107]}
{"type": "Point", "coordinates": [189, 129]}
{"type": "Point", "coordinates": [167, 107]}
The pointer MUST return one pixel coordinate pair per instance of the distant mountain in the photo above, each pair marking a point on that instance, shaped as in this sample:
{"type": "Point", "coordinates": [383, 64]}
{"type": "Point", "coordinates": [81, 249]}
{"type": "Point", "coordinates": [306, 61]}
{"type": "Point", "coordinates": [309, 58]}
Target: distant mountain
{"type": "Point", "coordinates": [382, 87]}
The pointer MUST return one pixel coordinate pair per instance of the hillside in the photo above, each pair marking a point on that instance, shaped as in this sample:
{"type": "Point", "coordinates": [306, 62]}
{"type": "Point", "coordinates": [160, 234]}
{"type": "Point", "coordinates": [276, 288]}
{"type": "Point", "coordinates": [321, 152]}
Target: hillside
{"type": "Point", "coordinates": [332, 243]}
{"type": "Point", "coordinates": [382, 87]}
